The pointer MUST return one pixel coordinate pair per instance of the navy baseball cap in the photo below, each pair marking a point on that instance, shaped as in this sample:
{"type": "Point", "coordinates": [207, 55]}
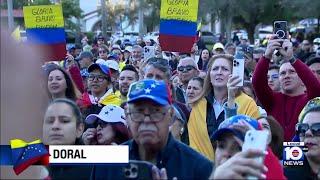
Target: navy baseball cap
{"type": "Point", "coordinates": [225, 126]}
{"type": "Point", "coordinates": [101, 67]}
{"type": "Point", "coordinates": [149, 89]}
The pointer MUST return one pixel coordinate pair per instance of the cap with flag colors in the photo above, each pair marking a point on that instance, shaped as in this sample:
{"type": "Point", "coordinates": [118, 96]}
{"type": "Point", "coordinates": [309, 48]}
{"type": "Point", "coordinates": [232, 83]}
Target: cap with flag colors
{"type": "Point", "coordinates": [149, 89]}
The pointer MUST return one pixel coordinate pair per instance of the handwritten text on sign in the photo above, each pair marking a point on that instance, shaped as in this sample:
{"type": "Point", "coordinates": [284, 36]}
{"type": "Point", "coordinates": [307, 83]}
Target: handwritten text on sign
{"type": "Point", "coordinates": [186, 10]}
{"type": "Point", "coordinates": [49, 16]}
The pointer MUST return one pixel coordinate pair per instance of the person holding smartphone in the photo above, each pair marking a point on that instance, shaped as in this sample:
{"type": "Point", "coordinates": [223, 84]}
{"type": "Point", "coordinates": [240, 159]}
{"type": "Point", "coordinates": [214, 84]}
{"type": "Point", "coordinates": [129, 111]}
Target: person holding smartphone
{"type": "Point", "coordinates": [228, 141]}
{"type": "Point", "coordinates": [293, 74]}
{"type": "Point", "coordinates": [149, 112]}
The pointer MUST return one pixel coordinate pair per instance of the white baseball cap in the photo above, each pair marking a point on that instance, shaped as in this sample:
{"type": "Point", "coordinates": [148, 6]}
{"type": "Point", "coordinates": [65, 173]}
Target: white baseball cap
{"type": "Point", "coordinates": [108, 113]}
{"type": "Point", "coordinates": [100, 61]}
{"type": "Point", "coordinates": [112, 64]}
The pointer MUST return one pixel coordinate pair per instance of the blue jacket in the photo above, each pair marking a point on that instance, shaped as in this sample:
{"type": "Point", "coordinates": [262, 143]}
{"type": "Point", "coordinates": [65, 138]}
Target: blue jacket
{"type": "Point", "coordinates": [177, 158]}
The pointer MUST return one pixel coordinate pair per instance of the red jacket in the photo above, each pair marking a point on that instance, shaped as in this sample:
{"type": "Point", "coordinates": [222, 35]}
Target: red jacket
{"type": "Point", "coordinates": [275, 169]}
{"type": "Point", "coordinates": [76, 77]}
{"type": "Point", "coordinates": [283, 108]}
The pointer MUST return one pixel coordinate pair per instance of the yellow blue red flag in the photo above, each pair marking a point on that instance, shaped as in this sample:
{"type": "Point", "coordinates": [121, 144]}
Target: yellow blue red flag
{"type": "Point", "coordinates": [25, 154]}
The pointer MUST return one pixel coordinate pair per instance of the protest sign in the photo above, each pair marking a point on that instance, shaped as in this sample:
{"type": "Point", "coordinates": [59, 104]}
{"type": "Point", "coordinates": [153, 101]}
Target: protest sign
{"type": "Point", "coordinates": [45, 30]}
{"type": "Point", "coordinates": [178, 25]}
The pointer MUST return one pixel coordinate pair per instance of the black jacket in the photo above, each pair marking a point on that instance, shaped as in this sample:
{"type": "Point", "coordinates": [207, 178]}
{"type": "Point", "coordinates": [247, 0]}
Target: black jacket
{"type": "Point", "coordinates": [70, 171]}
{"type": "Point", "coordinates": [300, 172]}
{"type": "Point", "coordinates": [178, 159]}
{"type": "Point", "coordinates": [212, 122]}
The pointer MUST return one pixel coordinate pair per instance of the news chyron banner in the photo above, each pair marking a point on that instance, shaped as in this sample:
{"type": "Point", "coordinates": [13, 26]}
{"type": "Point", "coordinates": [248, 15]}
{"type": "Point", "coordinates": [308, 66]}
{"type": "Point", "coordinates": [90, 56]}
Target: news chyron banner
{"type": "Point", "coordinates": [178, 25]}
{"type": "Point", "coordinates": [45, 30]}
{"type": "Point", "coordinates": [21, 154]}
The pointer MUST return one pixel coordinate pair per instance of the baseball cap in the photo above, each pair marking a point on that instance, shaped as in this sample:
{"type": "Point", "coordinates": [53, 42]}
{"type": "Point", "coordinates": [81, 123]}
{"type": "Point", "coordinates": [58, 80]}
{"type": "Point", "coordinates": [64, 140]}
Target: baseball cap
{"type": "Point", "coordinates": [225, 126]}
{"type": "Point", "coordinates": [100, 61]}
{"type": "Point", "coordinates": [312, 105]}
{"type": "Point", "coordinates": [101, 67]}
{"type": "Point", "coordinates": [113, 57]}
{"type": "Point", "coordinates": [115, 46]}
{"type": "Point", "coordinates": [128, 49]}
{"type": "Point", "coordinates": [112, 64]}
{"type": "Point", "coordinates": [100, 37]}
{"type": "Point", "coordinates": [217, 46]}
{"type": "Point", "coordinates": [149, 89]}
{"type": "Point", "coordinates": [108, 113]}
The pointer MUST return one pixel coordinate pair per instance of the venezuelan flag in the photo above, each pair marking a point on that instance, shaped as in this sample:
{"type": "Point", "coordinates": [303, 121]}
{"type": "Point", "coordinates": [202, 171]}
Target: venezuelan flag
{"type": "Point", "coordinates": [25, 154]}
{"type": "Point", "coordinates": [45, 30]}
{"type": "Point", "coordinates": [178, 25]}
{"type": "Point", "coordinates": [52, 41]}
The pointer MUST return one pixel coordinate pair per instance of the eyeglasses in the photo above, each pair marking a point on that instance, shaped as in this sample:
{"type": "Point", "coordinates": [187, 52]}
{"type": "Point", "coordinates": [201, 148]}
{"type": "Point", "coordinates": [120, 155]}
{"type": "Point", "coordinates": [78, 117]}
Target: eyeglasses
{"type": "Point", "coordinates": [100, 78]}
{"type": "Point", "coordinates": [154, 115]}
{"type": "Point", "coordinates": [302, 128]}
{"type": "Point", "coordinates": [186, 68]}
{"type": "Point", "coordinates": [273, 76]}
{"type": "Point", "coordinates": [102, 124]}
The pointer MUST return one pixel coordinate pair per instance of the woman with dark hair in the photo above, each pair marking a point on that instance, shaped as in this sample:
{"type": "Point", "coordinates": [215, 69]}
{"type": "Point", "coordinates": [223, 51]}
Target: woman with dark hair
{"type": "Point", "coordinates": [63, 125]}
{"type": "Point", "coordinates": [275, 132]}
{"type": "Point", "coordinates": [205, 56]}
{"type": "Point", "coordinates": [111, 127]}
{"type": "Point", "coordinates": [194, 88]}
{"type": "Point", "coordinates": [60, 84]}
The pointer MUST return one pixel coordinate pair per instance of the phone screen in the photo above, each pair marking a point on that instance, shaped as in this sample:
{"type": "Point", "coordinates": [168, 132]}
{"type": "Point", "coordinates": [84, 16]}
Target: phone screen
{"type": "Point", "coordinates": [280, 29]}
{"type": "Point", "coordinates": [238, 65]}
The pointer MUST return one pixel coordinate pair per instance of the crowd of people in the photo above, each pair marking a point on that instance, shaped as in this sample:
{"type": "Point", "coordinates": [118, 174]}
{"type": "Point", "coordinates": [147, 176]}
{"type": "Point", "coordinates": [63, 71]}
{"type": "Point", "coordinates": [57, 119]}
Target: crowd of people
{"type": "Point", "coordinates": [186, 116]}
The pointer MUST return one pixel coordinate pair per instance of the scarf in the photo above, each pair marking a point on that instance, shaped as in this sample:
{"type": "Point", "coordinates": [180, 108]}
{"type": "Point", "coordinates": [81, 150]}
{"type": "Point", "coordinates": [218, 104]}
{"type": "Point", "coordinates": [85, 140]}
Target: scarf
{"type": "Point", "coordinates": [197, 128]}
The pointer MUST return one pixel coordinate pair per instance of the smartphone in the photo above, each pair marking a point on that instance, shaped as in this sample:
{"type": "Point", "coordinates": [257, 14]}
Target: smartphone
{"type": "Point", "coordinates": [148, 52]}
{"type": "Point", "coordinates": [255, 139]}
{"type": "Point", "coordinates": [137, 170]}
{"type": "Point", "coordinates": [238, 65]}
{"type": "Point", "coordinates": [280, 29]}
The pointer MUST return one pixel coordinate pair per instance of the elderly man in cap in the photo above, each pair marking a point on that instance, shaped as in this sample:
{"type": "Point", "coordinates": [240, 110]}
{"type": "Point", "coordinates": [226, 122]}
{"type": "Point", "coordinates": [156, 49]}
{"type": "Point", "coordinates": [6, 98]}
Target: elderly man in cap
{"type": "Point", "coordinates": [149, 113]}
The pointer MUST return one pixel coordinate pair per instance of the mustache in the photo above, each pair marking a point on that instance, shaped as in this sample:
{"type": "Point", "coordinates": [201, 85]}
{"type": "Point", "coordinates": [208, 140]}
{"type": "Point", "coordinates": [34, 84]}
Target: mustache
{"type": "Point", "coordinates": [149, 127]}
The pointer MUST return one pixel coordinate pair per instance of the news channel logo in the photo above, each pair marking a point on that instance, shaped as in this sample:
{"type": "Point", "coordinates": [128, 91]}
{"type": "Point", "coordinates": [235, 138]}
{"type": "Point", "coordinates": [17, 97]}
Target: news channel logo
{"type": "Point", "coordinates": [293, 153]}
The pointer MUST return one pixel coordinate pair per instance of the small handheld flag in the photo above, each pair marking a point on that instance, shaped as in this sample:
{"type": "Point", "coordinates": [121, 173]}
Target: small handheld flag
{"type": "Point", "coordinates": [25, 154]}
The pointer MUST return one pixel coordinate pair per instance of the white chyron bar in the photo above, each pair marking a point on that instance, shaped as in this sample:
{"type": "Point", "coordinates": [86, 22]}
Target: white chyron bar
{"type": "Point", "coordinates": [88, 154]}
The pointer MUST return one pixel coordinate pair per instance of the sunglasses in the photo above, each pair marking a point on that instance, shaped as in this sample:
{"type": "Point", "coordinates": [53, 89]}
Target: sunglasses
{"type": "Point", "coordinates": [302, 128]}
{"type": "Point", "coordinates": [186, 68]}
{"type": "Point", "coordinates": [102, 124]}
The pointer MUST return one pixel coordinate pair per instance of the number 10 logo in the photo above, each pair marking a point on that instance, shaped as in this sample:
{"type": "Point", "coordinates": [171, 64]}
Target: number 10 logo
{"type": "Point", "coordinates": [293, 153]}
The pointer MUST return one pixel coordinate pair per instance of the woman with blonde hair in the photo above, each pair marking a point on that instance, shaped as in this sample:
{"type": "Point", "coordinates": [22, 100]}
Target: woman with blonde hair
{"type": "Point", "coordinates": [207, 109]}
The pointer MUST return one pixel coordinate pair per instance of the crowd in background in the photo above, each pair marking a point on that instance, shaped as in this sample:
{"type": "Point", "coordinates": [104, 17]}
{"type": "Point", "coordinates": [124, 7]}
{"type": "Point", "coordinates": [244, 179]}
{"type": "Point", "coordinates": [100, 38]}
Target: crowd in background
{"type": "Point", "coordinates": [183, 112]}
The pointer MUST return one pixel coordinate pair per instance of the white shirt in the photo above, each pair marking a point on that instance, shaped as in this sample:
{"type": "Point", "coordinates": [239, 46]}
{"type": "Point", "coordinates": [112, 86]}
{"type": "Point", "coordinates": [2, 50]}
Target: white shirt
{"type": "Point", "coordinates": [218, 108]}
